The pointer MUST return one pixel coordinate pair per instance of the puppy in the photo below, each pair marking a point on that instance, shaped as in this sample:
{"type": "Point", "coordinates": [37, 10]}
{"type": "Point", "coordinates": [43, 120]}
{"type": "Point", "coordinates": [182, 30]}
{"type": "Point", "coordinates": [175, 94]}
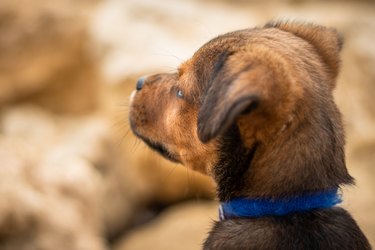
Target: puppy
{"type": "Point", "coordinates": [254, 109]}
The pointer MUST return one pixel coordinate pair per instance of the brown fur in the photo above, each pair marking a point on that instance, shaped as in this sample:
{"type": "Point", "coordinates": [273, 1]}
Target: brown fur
{"type": "Point", "coordinates": [257, 115]}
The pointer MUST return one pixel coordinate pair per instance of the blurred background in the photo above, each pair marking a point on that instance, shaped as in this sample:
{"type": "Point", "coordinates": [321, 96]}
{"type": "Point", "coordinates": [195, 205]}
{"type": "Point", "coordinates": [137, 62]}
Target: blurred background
{"type": "Point", "coordinates": [72, 176]}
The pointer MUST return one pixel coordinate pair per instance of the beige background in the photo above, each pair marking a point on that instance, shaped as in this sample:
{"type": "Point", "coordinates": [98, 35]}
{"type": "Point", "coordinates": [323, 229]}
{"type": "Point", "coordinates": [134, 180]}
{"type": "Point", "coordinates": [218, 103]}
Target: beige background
{"type": "Point", "coordinates": [73, 177]}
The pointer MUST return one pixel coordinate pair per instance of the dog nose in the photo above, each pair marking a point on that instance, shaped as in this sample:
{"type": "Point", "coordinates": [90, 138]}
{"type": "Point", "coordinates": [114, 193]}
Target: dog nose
{"type": "Point", "coordinates": [140, 83]}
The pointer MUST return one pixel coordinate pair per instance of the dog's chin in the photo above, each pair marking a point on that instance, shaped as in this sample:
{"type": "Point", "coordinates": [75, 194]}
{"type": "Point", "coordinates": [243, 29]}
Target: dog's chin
{"type": "Point", "coordinates": [156, 146]}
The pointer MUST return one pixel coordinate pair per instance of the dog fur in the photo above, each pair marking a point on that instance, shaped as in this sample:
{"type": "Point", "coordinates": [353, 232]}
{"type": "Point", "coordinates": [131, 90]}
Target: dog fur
{"type": "Point", "coordinates": [254, 109]}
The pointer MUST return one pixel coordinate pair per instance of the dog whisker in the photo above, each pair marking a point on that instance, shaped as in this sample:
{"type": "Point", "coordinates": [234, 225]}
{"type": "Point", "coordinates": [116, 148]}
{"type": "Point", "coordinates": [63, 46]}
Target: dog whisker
{"type": "Point", "coordinates": [169, 54]}
{"type": "Point", "coordinates": [119, 143]}
{"type": "Point", "coordinates": [134, 146]}
{"type": "Point", "coordinates": [188, 182]}
{"type": "Point", "coordinates": [169, 173]}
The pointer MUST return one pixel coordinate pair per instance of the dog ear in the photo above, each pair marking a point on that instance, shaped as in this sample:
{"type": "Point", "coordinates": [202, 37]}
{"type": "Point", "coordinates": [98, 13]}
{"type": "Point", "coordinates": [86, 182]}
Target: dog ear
{"type": "Point", "coordinates": [327, 41]}
{"type": "Point", "coordinates": [235, 89]}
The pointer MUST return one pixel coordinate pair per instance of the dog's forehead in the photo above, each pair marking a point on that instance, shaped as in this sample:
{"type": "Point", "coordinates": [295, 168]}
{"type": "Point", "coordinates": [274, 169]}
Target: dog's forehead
{"type": "Point", "coordinates": [231, 40]}
{"type": "Point", "coordinates": [207, 57]}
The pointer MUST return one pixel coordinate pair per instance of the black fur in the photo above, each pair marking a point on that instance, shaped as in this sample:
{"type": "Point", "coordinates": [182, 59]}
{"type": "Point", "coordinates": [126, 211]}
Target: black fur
{"type": "Point", "coordinates": [230, 171]}
{"type": "Point", "coordinates": [325, 229]}
{"type": "Point", "coordinates": [216, 113]}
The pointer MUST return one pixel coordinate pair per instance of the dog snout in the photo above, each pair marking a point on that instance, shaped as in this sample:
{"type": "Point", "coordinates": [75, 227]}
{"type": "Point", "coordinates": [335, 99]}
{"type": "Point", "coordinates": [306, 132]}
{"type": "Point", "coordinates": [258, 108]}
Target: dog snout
{"type": "Point", "coordinates": [140, 83]}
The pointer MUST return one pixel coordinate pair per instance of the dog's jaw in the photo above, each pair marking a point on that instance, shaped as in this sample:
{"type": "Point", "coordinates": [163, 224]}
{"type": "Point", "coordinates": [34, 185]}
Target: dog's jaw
{"type": "Point", "coordinates": [154, 145]}
{"type": "Point", "coordinates": [159, 148]}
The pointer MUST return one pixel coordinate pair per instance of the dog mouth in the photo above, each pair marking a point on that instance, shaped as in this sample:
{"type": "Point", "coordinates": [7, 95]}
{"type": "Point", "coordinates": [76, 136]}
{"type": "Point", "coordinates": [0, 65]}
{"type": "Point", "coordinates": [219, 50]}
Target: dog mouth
{"type": "Point", "coordinates": [156, 146]}
{"type": "Point", "coordinates": [161, 149]}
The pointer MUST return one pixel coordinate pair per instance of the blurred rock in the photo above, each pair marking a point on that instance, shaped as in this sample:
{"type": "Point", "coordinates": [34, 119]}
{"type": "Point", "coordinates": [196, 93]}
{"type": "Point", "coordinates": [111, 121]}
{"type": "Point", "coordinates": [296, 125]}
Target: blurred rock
{"type": "Point", "coordinates": [356, 85]}
{"type": "Point", "coordinates": [180, 227]}
{"type": "Point", "coordinates": [61, 184]}
{"type": "Point", "coordinates": [168, 183]}
{"type": "Point", "coordinates": [152, 36]}
{"type": "Point", "coordinates": [46, 54]}
{"type": "Point", "coordinates": [355, 95]}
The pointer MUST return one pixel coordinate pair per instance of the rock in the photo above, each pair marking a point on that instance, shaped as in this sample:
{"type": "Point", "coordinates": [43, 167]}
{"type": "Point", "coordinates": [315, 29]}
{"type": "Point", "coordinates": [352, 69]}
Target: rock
{"type": "Point", "coordinates": [354, 94]}
{"type": "Point", "coordinates": [158, 35]}
{"type": "Point", "coordinates": [29, 124]}
{"type": "Point", "coordinates": [169, 183]}
{"type": "Point", "coordinates": [46, 56]}
{"type": "Point", "coordinates": [180, 227]}
{"type": "Point", "coordinates": [356, 87]}
{"type": "Point", "coordinates": [60, 182]}
{"type": "Point", "coordinates": [37, 215]}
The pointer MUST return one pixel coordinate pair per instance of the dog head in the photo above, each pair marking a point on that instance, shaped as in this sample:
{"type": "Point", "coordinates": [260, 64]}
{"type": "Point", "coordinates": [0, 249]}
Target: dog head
{"type": "Point", "coordinates": [253, 108]}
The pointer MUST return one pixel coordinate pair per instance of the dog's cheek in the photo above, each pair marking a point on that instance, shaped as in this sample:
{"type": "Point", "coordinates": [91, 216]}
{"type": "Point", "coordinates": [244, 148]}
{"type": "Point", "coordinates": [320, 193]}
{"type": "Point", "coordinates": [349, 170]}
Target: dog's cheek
{"type": "Point", "coordinates": [170, 120]}
{"type": "Point", "coordinates": [183, 134]}
{"type": "Point", "coordinates": [202, 157]}
{"type": "Point", "coordinates": [178, 130]}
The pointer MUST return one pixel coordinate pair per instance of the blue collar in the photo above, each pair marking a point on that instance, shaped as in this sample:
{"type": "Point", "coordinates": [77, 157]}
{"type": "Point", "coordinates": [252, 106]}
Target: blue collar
{"type": "Point", "coordinates": [255, 208]}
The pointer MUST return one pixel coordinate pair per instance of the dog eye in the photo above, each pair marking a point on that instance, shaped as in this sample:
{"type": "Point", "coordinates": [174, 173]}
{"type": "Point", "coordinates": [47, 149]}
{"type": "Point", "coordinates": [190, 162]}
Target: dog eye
{"type": "Point", "coordinates": [179, 93]}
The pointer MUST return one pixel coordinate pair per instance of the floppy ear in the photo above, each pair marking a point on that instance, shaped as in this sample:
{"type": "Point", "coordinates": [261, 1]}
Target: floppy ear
{"type": "Point", "coordinates": [235, 89]}
{"type": "Point", "coordinates": [327, 41]}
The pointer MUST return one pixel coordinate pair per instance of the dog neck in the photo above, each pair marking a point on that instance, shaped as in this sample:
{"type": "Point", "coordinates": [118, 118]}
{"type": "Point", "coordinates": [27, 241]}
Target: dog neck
{"type": "Point", "coordinates": [279, 167]}
{"type": "Point", "coordinates": [229, 173]}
